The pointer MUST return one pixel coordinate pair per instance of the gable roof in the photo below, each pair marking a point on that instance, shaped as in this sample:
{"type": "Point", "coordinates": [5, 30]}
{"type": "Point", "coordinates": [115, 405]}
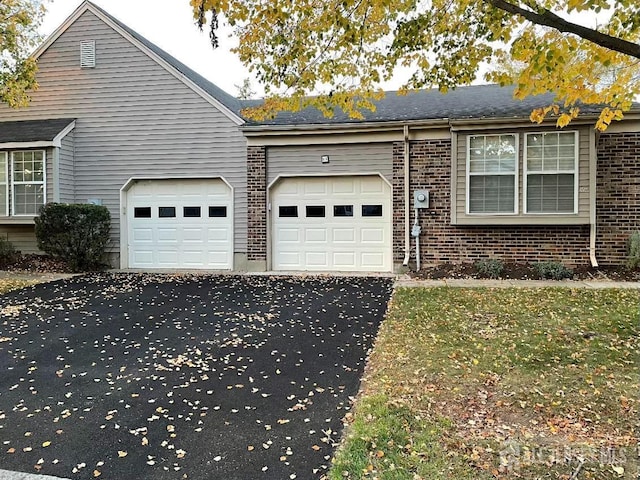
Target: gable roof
{"type": "Point", "coordinates": [470, 102]}
{"type": "Point", "coordinates": [225, 102]}
{"type": "Point", "coordinates": [35, 132]}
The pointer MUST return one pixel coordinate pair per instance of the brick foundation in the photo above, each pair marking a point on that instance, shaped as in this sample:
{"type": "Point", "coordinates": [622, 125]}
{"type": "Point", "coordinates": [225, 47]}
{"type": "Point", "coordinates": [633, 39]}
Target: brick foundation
{"type": "Point", "coordinates": [257, 203]}
{"type": "Point", "coordinates": [618, 195]}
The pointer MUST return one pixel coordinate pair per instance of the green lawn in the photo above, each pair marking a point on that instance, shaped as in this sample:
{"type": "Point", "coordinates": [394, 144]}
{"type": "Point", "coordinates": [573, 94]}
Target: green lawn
{"type": "Point", "coordinates": [499, 383]}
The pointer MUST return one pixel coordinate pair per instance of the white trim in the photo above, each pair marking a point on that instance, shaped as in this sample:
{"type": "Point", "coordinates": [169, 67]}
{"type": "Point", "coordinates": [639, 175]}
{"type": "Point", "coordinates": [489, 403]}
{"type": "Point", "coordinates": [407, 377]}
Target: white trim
{"type": "Point", "coordinates": [514, 174]}
{"type": "Point", "coordinates": [6, 184]}
{"type": "Point", "coordinates": [124, 247]}
{"type": "Point", "coordinates": [279, 178]}
{"type": "Point", "coordinates": [43, 183]}
{"type": "Point", "coordinates": [575, 173]}
{"type": "Point", "coordinates": [57, 140]}
{"type": "Point", "coordinates": [55, 174]}
{"type": "Point", "coordinates": [88, 6]}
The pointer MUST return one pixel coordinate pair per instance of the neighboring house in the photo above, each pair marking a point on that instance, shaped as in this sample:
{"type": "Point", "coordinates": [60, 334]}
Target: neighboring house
{"type": "Point", "coordinates": [190, 184]}
{"type": "Point", "coordinates": [142, 134]}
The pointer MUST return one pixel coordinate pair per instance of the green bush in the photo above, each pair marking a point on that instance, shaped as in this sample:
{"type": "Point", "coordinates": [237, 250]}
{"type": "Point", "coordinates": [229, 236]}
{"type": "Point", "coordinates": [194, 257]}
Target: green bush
{"type": "Point", "coordinates": [8, 252]}
{"type": "Point", "coordinates": [75, 233]}
{"type": "Point", "coordinates": [552, 270]}
{"type": "Point", "coordinates": [633, 251]}
{"type": "Point", "coordinates": [490, 268]}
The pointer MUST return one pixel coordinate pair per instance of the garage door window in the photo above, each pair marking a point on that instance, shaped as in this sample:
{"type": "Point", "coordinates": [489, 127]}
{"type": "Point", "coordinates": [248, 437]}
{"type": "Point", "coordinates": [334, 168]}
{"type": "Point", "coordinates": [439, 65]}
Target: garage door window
{"type": "Point", "coordinates": [166, 212]}
{"type": "Point", "coordinates": [315, 211]}
{"type": "Point", "coordinates": [288, 211]}
{"type": "Point", "coordinates": [142, 212]}
{"type": "Point", "coordinates": [191, 212]}
{"type": "Point", "coordinates": [217, 212]}
{"type": "Point", "coordinates": [371, 210]}
{"type": "Point", "coordinates": [343, 210]}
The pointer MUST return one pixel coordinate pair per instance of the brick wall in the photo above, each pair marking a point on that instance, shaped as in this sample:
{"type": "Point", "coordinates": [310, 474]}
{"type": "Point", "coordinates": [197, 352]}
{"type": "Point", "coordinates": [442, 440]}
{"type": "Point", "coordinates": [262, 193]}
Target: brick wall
{"type": "Point", "coordinates": [618, 194]}
{"type": "Point", "coordinates": [442, 242]}
{"type": "Point", "coordinates": [257, 203]}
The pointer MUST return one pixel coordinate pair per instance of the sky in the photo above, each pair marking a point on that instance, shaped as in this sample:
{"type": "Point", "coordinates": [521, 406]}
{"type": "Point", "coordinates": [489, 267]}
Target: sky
{"type": "Point", "coordinates": [170, 25]}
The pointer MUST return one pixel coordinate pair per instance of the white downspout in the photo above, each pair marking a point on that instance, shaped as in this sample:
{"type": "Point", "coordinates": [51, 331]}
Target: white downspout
{"type": "Point", "coordinates": [407, 208]}
{"type": "Point", "coordinates": [593, 175]}
{"type": "Point", "coordinates": [416, 225]}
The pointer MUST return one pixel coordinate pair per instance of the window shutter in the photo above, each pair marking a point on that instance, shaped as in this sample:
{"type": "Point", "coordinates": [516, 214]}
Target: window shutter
{"type": "Point", "coordinates": [87, 54]}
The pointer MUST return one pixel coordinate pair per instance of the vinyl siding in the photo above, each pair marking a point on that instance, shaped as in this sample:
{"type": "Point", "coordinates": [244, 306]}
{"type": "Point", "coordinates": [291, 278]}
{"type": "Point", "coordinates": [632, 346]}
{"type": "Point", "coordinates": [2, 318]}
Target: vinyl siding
{"type": "Point", "coordinates": [65, 168]}
{"type": "Point", "coordinates": [582, 217]}
{"type": "Point", "coordinates": [134, 119]}
{"type": "Point", "coordinates": [347, 158]}
{"type": "Point", "coordinates": [23, 237]}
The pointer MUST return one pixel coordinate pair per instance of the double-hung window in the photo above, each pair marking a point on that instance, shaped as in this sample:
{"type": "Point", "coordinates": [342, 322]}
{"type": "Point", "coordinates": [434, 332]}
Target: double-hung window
{"type": "Point", "coordinates": [27, 182]}
{"type": "Point", "coordinates": [492, 174]}
{"type": "Point", "coordinates": [551, 172]}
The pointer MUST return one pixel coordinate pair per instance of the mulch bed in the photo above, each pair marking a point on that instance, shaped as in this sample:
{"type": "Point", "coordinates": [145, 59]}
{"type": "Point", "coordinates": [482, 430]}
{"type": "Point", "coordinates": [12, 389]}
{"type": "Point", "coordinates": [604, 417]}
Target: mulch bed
{"type": "Point", "coordinates": [520, 271]}
{"type": "Point", "coordinates": [32, 263]}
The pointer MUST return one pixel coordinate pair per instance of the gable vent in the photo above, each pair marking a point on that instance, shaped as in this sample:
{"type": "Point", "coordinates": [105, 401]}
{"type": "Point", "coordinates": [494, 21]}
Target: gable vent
{"type": "Point", "coordinates": [87, 54]}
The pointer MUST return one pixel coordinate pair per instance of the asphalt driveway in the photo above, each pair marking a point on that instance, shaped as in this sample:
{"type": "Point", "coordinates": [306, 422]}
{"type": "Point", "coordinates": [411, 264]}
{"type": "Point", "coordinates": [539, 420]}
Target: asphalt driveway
{"type": "Point", "coordinates": [169, 377]}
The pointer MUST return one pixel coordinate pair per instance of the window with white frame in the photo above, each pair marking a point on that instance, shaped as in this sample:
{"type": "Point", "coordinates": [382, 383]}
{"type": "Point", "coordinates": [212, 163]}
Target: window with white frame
{"type": "Point", "coordinates": [27, 182]}
{"type": "Point", "coordinates": [4, 184]}
{"type": "Point", "coordinates": [551, 172]}
{"type": "Point", "coordinates": [492, 174]}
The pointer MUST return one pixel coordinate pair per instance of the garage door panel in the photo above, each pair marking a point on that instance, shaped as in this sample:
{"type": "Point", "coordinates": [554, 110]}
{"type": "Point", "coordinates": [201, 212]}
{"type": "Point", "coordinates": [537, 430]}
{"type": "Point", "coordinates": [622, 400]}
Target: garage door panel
{"type": "Point", "coordinates": [315, 235]}
{"type": "Point", "coordinates": [173, 241]}
{"type": "Point", "coordinates": [372, 235]}
{"type": "Point", "coordinates": [338, 237]}
{"type": "Point", "coordinates": [344, 235]}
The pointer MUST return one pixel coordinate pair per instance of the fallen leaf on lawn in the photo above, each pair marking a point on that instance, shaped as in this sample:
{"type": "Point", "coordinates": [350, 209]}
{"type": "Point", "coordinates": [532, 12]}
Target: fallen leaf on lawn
{"type": "Point", "coordinates": [379, 454]}
{"type": "Point", "coordinates": [618, 470]}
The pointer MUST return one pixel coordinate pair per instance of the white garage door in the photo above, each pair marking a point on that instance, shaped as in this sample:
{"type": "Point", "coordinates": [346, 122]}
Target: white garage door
{"type": "Point", "coordinates": [180, 224]}
{"type": "Point", "coordinates": [332, 224]}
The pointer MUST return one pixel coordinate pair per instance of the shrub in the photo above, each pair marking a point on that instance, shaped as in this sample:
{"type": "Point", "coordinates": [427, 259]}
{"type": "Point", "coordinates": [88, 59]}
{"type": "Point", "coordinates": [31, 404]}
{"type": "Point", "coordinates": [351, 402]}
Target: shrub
{"type": "Point", "coordinates": [8, 252]}
{"type": "Point", "coordinates": [633, 251]}
{"type": "Point", "coordinates": [75, 233]}
{"type": "Point", "coordinates": [552, 270]}
{"type": "Point", "coordinates": [491, 268]}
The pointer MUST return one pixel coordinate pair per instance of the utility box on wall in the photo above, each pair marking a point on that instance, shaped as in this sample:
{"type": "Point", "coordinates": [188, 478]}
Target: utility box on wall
{"type": "Point", "coordinates": [421, 199]}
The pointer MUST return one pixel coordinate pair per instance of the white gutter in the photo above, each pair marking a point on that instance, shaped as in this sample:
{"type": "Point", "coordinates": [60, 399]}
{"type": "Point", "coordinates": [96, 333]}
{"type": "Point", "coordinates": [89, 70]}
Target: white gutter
{"type": "Point", "coordinates": [407, 209]}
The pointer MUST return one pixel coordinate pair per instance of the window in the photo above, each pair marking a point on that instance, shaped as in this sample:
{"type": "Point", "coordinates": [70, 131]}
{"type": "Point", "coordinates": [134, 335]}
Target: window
{"type": "Point", "coordinates": [28, 182]}
{"type": "Point", "coordinates": [218, 211]}
{"type": "Point", "coordinates": [142, 212]}
{"type": "Point", "coordinates": [343, 211]}
{"type": "Point", "coordinates": [166, 212]}
{"type": "Point", "coordinates": [492, 170]}
{"type": "Point", "coordinates": [288, 211]}
{"type": "Point", "coordinates": [315, 211]}
{"type": "Point", "coordinates": [371, 210]}
{"type": "Point", "coordinates": [551, 172]}
{"type": "Point", "coordinates": [4, 184]}
{"type": "Point", "coordinates": [191, 212]}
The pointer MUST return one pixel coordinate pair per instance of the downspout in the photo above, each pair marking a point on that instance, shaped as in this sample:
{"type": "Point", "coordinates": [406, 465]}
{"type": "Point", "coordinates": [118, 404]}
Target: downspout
{"type": "Point", "coordinates": [593, 185]}
{"type": "Point", "coordinates": [407, 208]}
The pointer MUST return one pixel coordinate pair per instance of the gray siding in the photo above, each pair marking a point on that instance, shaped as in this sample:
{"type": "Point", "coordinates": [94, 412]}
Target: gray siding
{"type": "Point", "coordinates": [519, 219]}
{"type": "Point", "coordinates": [65, 167]}
{"type": "Point", "coordinates": [347, 158]}
{"type": "Point", "coordinates": [23, 237]}
{"type": "Point", "coordinates": [134, 119]}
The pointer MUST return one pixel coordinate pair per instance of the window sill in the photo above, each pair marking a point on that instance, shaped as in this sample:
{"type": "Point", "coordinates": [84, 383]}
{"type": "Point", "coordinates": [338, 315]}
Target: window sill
{"type": "Point", "coordinates": [520, 220]}
{"type": "Point", "coordinates": [17, 221]}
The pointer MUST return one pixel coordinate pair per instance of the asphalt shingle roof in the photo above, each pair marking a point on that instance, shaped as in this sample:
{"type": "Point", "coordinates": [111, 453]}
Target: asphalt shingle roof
{"type": "Point", "coordinates": [477, 101]}
{"type": "Point", "coordinates": [216, 92]}
{"type": "Point", "coordinates": [32, 130]}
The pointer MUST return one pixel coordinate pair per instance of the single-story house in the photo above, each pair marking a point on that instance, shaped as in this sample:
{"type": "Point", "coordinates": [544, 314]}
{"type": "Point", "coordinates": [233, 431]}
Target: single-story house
{"type": "Point", "coordinates": [191, 184]}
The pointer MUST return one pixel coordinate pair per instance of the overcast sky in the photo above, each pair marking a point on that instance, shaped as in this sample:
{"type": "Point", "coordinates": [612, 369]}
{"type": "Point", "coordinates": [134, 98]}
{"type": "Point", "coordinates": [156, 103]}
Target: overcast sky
{"type": "Point", "coordinates": [170, 25]}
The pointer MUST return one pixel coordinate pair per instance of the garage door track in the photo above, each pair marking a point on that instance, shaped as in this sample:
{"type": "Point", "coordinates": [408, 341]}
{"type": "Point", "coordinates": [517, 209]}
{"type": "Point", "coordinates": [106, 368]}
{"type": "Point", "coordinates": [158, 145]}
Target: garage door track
{"type": "Point", "coordinates": [179, 376]}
